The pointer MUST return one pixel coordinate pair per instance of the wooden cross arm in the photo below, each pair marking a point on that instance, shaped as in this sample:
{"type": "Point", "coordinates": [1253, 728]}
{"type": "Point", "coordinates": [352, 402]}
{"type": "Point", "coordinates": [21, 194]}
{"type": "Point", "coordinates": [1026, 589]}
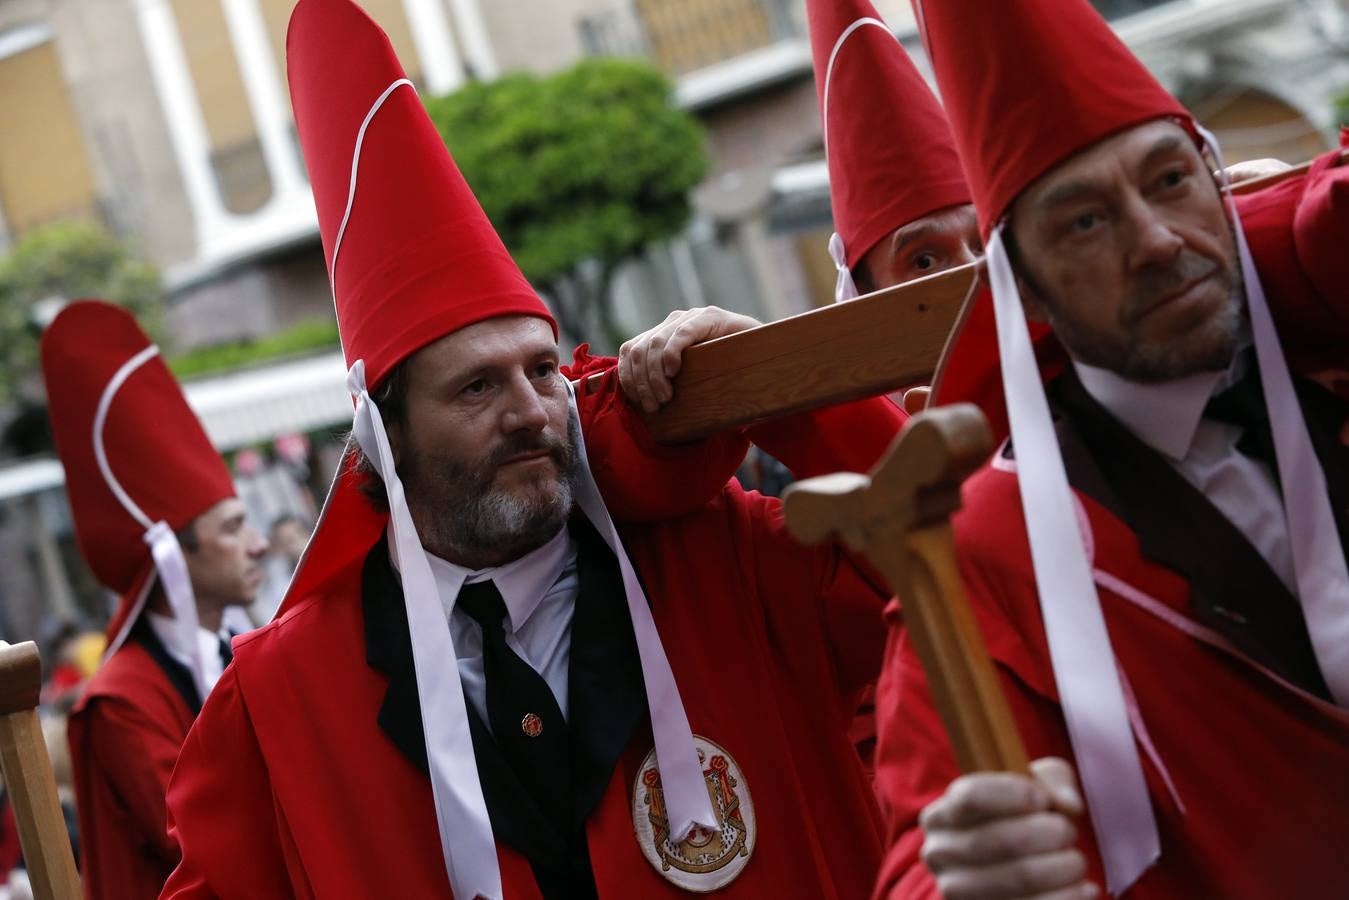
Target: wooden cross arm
{"type": "Point", "coordinates": [881, 342]}
{"type": "Point", "coordinates": [899, 517]}
{"type": "Point", "coordinates": [29, 779]}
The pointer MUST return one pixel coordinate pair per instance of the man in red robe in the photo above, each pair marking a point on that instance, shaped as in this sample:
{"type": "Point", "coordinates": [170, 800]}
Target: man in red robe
{"type": "Point", "coordinates": [1157, 557]}
{"type": "Point", "coordinates": [158, 523]}
{"type": "Point", "coordinates": [478, 685]}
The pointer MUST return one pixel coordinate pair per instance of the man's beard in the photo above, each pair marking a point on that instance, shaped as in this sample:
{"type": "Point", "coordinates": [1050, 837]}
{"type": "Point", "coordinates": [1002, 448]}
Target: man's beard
{"type": "Point", "coordinates": [1207, 347]}
{"type": "Point", "coordinates": [461, 514]}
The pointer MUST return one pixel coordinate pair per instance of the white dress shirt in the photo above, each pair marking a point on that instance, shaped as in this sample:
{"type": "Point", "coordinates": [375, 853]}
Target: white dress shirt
{"type": "Point", "coordinates": [1169, 418]}
{"type": "Point", "coordinates": [539, 590]}
{"type": "Point", "coordinates": [208, 643]}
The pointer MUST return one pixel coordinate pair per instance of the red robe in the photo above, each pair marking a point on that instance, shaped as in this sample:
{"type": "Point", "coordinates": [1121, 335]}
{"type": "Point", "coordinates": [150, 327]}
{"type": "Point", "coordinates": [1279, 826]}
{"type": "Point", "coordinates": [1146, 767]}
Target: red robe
{"type": "Point", "coordinates": [1258, 765]}
{"type": "Point", "coordinates": [10, 851]}
{"type": "Point", "coordinates": [1247, 773]}
{"type": "Point", "coordinates": [288, 786]}
{"type": "Point", "coordinates": [125, 734]}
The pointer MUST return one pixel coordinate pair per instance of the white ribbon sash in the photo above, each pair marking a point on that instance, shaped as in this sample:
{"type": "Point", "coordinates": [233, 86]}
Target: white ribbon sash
{"type": "Point", "coordinates": [172, 568]}
{"type": "Point", "coordinates": [461, 812]}
{"type": "Point", "coordinates": [681, 775]}
{"type": "Point", "coordinates": [1318, 556]}
{"type": "Point", "coordinates": [1079, 645]}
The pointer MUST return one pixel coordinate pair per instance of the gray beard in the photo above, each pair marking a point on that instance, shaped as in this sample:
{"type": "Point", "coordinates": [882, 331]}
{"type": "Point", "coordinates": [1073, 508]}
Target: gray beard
{"type": "Point", "coordinates": [461, 515]}
{"type": "Point", "coordinates": [497, 523]}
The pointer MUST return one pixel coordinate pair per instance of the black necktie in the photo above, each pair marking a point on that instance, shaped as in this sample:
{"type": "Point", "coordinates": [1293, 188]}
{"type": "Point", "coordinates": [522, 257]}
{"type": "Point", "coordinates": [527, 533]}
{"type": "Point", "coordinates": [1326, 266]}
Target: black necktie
{"type": "Point", "coordinates": [526, 720]}
{"type": "Point", "coordinates": [1243, 405]}
{"type": "Point", "coordinates": [226, 652]}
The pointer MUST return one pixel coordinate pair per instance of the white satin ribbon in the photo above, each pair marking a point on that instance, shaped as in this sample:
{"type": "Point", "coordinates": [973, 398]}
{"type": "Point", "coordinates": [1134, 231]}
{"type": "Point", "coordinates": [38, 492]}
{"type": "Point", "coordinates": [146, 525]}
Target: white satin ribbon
{"type": "Point", "coordinates": [845, 288]}
{"type": "Point", "coordinates": [681, 775]}
{"type": "Point", "coordinates": [173, 574]}
{"type": "Point", "coordinates": [1318, 556]}
{"type": "Point", "coordinates": [1079, 644]}
{"type": "Point", "coordinates": [466, 839]}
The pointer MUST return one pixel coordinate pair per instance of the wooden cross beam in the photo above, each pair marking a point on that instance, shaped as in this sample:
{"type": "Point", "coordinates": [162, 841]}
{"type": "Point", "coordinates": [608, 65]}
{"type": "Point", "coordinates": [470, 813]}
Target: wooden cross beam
{"type": "Point", "coordinates": [29, 779]}
{"type": "Point", "coordinates": [882, 342]}
{"type": "Point", "coordinates": [899, 518]}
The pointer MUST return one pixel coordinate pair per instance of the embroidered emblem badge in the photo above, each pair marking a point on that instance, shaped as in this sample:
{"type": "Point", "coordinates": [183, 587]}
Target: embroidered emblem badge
{"type": "Point", "coordinates": [531, 725]}
{"type": "Point", "coordinates": [709, 859]}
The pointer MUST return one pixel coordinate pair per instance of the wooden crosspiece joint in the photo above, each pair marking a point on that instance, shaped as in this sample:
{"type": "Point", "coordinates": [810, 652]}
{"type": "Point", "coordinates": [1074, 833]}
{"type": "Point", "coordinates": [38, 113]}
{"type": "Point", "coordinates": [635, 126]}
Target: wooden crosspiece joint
{"type": "Point", "coordinates": [899, 518]}
{"type": "Point", "coordinates": [29, 779]}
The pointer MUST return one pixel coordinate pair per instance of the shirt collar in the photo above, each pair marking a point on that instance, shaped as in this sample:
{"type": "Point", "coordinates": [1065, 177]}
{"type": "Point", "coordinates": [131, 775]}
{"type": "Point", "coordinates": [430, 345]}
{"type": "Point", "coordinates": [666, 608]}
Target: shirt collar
{"type": "Point", "coordinates": [523, 582]}
{"type": "Point", "coordinates": [208, 643]}
{"type": "Point", "coordinates": [1165, 415]}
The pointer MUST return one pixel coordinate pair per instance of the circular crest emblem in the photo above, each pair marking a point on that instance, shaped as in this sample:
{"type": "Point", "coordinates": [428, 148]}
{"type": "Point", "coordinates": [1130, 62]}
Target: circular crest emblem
{"type": "Point", "coordinates": [531, 725]}
{"type": "Point", "coordinates": [709, 859]}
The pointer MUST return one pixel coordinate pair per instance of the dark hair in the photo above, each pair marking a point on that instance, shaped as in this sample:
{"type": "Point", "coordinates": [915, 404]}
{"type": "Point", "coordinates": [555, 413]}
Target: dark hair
{"type": "Point", "coordinates": [390, 395]}
{"type": "Point", "coordinates": [187, 537]}
{"type": "Point", "coordinates": [861, 276]}
{"type": "Point", "coordinates": [1018, 262]}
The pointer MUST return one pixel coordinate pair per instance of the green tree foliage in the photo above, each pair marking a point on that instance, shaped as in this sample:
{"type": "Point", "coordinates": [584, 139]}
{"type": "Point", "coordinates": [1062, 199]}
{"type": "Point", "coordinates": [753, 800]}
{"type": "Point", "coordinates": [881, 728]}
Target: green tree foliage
{"type": "Point", "coordinates": [71, 261]}
{"type": "Point", "coordinates": [578, 171]}
{"type": "Point", "coordinates": [1342, 109]}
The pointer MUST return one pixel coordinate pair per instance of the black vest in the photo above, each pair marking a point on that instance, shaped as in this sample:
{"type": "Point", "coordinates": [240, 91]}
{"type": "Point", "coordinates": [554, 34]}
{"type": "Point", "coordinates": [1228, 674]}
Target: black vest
{"type": "Point", "coordinates": [606, 700]}
{"type": "Point", "coordinates": [1233, 590]}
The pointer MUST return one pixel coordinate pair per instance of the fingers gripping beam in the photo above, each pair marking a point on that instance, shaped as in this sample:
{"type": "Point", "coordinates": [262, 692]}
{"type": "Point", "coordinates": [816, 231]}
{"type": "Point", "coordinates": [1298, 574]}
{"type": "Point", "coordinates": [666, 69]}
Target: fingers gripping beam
{"type": "Point", "coordinates": [29, 779]}
{"type": "Point", "coordinates": [899, 518]}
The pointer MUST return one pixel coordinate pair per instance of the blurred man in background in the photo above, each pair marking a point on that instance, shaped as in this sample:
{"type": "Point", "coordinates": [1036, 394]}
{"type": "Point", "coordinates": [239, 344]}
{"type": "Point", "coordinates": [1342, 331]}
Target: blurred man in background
{"type": "Point", "coordinates": [158, 523]}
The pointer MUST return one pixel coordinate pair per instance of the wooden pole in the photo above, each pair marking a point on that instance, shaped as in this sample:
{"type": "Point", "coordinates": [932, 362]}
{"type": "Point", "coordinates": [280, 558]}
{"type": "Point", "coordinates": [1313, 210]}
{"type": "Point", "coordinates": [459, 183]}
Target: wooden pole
{"type": "Point", "coordinates": [29, 779]}
{"type": "Point", "coordinates": [899, 518]}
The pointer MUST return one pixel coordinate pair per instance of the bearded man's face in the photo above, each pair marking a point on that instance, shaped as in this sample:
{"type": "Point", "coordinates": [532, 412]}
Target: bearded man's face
{"type": "Point", "coordinates": [485, 450]}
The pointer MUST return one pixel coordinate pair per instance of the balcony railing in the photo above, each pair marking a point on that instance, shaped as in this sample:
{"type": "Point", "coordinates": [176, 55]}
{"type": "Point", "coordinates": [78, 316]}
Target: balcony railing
{"type": "Point", "coordinates": [683, 36]}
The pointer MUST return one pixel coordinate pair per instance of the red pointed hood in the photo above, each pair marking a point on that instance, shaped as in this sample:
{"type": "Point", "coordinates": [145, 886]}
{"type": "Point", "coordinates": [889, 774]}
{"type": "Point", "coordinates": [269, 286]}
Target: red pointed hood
{"type": "Point", "coordinates": [133, 451]}
{"type": "Point", "coordinates": [410, 252]}
{"type": "Point", "coordinates": [889, 148]}
{"type": "Point", "coordinates": [1026, 84]}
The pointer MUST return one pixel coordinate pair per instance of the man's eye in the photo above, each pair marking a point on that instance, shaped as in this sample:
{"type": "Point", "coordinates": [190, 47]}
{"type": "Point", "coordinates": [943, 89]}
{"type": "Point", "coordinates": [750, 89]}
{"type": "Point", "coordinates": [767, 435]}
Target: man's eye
{"type": "Point", "coordinates": [1173, 179]}
{"type": "Point", "coordinates": [545, 370]}
{"type": "Point", "coordinates": [474, 388]}
{"type": "Point", "coordinates": [924, 262]}
{"type": "Point", "coordinates": [1085, 222]}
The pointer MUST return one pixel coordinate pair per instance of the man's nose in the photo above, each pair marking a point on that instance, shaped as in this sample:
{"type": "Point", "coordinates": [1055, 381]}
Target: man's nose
{"type": "Point", "coordinates": [526, 411]}
{"type": "Point", "coordinates": [1155, 241]}
{"type": "Point", "coordinates": [257, 545]}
